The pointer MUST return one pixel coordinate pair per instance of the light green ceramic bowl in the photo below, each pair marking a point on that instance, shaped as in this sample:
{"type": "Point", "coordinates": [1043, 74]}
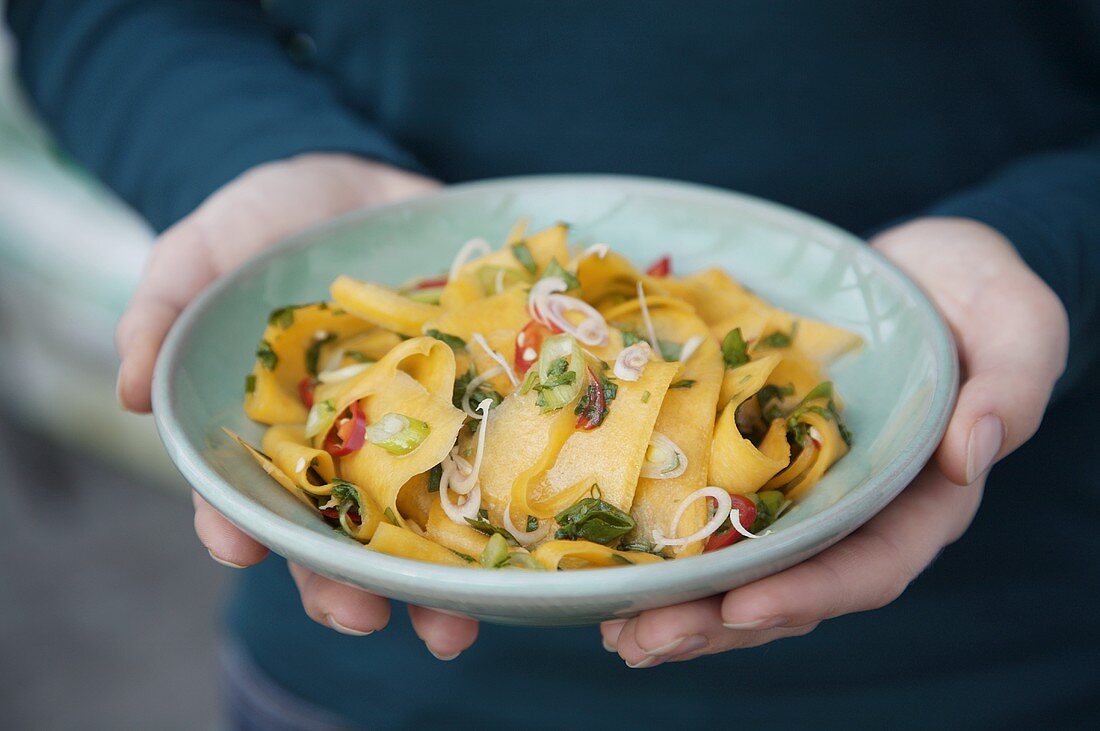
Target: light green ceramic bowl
{"type": "Point", "coordinates": [898, 390]}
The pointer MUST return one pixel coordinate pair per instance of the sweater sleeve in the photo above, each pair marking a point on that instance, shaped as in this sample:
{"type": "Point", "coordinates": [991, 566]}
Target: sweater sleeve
{"type": "Point", "coordinates": [167, 100]}
{"type": "Point", "coordinates": [1048, 206]}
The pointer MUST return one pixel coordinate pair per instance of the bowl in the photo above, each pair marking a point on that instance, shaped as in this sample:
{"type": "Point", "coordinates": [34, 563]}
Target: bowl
{"type": "Point", "coordinates": [899, 389]}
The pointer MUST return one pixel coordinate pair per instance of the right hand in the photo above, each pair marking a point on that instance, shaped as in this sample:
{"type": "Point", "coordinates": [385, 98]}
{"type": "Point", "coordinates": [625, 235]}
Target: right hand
{"type": "Point", "coordinates": [248, 214]}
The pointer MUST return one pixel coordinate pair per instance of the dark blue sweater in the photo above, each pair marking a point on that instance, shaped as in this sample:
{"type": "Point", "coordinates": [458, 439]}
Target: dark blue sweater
{"type": "Point", "coordinates": [860, 111]}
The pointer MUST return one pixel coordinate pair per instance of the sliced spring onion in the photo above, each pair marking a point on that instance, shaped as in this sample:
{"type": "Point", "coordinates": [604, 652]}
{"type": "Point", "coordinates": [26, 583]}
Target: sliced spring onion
{"type": "Point", "coordinates": [466, 483]}
{"type": "Point", "coordinates": [631, 361]}
{"type": "Point", "coordinates": [664, 459]}
{"type": "Point", "coordinates": [471, 249]}
{"type": "Point", "coordinates": [525, 538]}
{"type": "Point", "coordinates": [650, 332]}
{"type": "Point", "coordinates": [320, 418]}
{"type": "Point", "coordinates": [471, 501]}
{"type": "Point", "coordinates": [557, 389]}
{"type": "Point", "coordinates": [497, 357]}
{"type": "Point", "coordinates": [735, 521]}
{"type": "Point", "coordinates": [342, 374]}
{"type": "Point", "coordinates": [398, 434]}
{"type": "Point", "coordinates": [597, 250]}
{"type": "Point", "coordinates": [495, 554]}
{"type": "Point", "coordinates": [473, 386]}
{"type": "Point", "coordinates": [690, 347]}
{"type": "Point", "coordinates": [592, 330]}
{"type": "Point", "coordinates": [725, 505]}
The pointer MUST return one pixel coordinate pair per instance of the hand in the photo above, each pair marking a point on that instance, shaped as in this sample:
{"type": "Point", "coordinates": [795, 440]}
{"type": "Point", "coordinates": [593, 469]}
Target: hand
{"type": "Point", "coordinates": [254, 211]}
{"type": "Point", "coordinates": [1013, 335]}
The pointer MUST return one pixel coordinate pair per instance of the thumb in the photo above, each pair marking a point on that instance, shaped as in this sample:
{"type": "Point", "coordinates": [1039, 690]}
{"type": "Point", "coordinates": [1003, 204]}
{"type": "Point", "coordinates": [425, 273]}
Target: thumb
{"type": "Point", "coordinates": [1011, 331]}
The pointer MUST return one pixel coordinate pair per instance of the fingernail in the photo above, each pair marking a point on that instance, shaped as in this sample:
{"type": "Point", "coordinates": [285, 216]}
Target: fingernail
{"type": "Point", "coordinates": [223, 562]}
{"type": "Point", "coordinates": [986, 439]}
{"type": "Point", "coordinates": [765, 623]}
{"type": "Point", "coordinates": [609, 647]}
{"type": "Point", "coordinates": [680, 646]}
{"type": "Point", "coordinates": [444, 658]}
{"type": "Point", "coordinates": [331, 622]}
{"type": "Point", "coordinates": [118, 386]}
{"type": "Point", "coordinates": [646, 662]}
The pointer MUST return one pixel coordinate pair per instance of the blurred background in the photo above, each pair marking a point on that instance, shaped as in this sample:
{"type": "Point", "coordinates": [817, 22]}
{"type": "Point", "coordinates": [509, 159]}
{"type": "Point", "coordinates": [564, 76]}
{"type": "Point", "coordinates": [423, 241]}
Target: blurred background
{"type": "Point", "coordinates": [107, 601]}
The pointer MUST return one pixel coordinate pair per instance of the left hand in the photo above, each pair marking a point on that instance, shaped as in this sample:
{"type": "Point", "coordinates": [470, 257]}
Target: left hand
{"type": "Point", "coordinates": [1013, 335]}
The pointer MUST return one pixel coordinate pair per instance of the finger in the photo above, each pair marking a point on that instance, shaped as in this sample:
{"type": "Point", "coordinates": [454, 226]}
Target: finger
{"type": "Point", "coordinates": [686, 631]}
{"type": "Point", "coordinates": [610, 631]}
{"type": "Point", "coordinates": [227, 544]}
{"type": "Point", "coordinates": [345, 609]}
{"type": "Point", "coordinates": [446, 635]}
{"type": "Point", "coordinates": [865, 571]}
{"type": "Point", "coordinates": [1011, 330]}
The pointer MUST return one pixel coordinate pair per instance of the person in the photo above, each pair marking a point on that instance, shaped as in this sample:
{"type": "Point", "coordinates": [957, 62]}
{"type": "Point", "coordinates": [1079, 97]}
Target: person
{"type": "Point", "coordinates": [962, 137]}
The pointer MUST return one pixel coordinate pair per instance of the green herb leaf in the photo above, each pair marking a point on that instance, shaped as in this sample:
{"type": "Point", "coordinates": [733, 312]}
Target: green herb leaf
{"type": "Point", "coordinates": [464, 556]}
{"type": "Point", "coordinates": [592, 519]}
{"type": "Point", "coordinates": [482, 525]}
{"type": "Point", "coordinates": [641, 547]}
{"type": "Point", "coordinates": [670, 351]}
{"type": "Point", "coordinates": [453, 341]}
{"type": "Point", "coordinates": [630, 337]}
{"type": "Point", "coordinates": [645, 397]}
{"type": "Point", "coordinates": [283, 317]}
{"type": "Point", "coordinates": [358, 356]}
{"type": "Point", "coordinates": [524, 257]}
{"type": "Point", "coordinates": [313, 352]}
{"type": "Point", "coordinates": [734, 350]}
{"type": "Point", "coordinates": [435, 475]}
{"type": "Point", "coordinates": [821, 390]}
{"type": "Point", "coordinates": [685, 383]}
{"type": "Point", "coordinates": [775, 340]}
{"type": "Point", "coordinates": [554, 269]}
{"type": "Point", "coordinates": [388, 512]}
{"type": "Point", "coordinates": [345, 491]}
{"type": "Point", "coordinates": [266, 355]}
{"type": "Point", "coordinates": [250, 383]}
{"type": "Point", "coordinates": [532, 523]}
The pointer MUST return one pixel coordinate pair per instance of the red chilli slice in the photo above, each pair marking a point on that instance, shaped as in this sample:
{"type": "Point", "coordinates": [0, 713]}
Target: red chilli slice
{"type": "Point", "coordinates": [596, 408]}
{"type": "Point", "coordinates": [660, 268]}
{"type": "Point", "coordinates": [348, 433]}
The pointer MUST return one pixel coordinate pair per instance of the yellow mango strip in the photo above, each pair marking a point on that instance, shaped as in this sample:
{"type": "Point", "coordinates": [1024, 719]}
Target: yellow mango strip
{"type": "Point", "coordinates": [414, 501]}
{"type": "Point", "coordinates": [382, 474]}
{"type": "Point", "coordinates": [461, 538]}
{"type": "Point", "coordinates": [468, 284]}
{"type": "Point", "coordinates": [373, 344]}
{"type": "Point", "coordinates": [269, 467]}
{"type": "Point", "coordinates": [824, 343]}
{"type": "Point", "coordinates": [290, 332]}
{"type": "Point", "coordinates": [428, 361]}
{"type": "Point", "coordinates": [610, 455]}
{"type": "Point", "coordinates": [656, 501]}
{"type": "Point", "coordinates": [557, 555]}
{"type": "Point", "coordinates": [800, 464]}
{"type": "Point", "coordinates": [499, 318]}
{"type": "Point", "coordinates": [402, 542]}
{"type": "Point", "coordinates": [735, 464]}
{"type": "Point", "coordinates": [383, 306]}
{"type": "Point", "coordinates": [521, 444]}
{"type": "Point", "coordinates": [612, 279]}
{"type": "Point", "coordinates": [833, 447]}
{"type": "Point", "coordinates": [797, 371]}
{"type": "Point", "coordinates": [294, 455]}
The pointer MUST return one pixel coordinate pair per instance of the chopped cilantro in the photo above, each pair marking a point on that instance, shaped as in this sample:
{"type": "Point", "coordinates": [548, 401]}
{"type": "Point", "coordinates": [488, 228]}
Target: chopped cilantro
{"type": "Point", "coordinates": [630, 337]}
{"type": "Point", "coordinates": [283, 317]}
{"type": "Point", "coordinates": [734, 350]}
{"type": "Point", "coordinates": [250, 383]}
{"type": "Point", "coordinates": [435, 475]}
{"type": "Point", "coordinates": [670, 351]}
{"type": "Point", "coordinates": [775, 340]}
{"type": "Point", "coordinates": [358, 356]}
{"type": "Point", "coordinates": [453, 341]}
{"type": "Point", "coordinates": [554, 269]}
{"type": "Point", "coordinates": [388, 512]}
{"type": "Point", "coordinates": [524, 257]}
{"type": "Point", "coordinates": [267, 357]}
{"type": "Point", "coordinates": [645, 397]}
{"type": "Point", "coordinates": [482, 525]}
{"type": "Point", "coordinates": [684, 383]}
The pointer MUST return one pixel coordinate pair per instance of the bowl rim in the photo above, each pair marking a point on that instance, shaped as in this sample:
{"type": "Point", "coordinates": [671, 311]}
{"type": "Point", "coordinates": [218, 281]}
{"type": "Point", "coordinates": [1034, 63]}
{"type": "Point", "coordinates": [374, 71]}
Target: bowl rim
{"type": "Point", "coordinates": [334, 557]}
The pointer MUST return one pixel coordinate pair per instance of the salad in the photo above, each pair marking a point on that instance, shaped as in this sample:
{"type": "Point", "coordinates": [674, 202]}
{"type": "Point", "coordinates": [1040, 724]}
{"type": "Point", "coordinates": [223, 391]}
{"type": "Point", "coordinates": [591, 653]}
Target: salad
{"type": "Point", "coordinates": [547, 408]}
